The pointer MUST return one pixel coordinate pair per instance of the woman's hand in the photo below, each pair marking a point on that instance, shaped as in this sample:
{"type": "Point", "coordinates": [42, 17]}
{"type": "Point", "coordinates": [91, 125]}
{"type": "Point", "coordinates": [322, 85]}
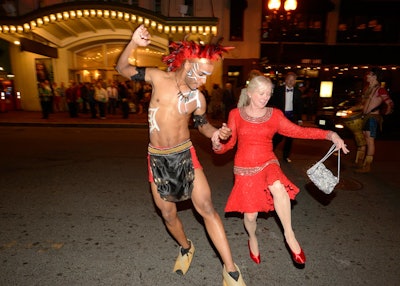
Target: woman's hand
{"type": "Point", "coordinates": [224, 132]}
{"type": "Point", "coordinates": [339, 143]}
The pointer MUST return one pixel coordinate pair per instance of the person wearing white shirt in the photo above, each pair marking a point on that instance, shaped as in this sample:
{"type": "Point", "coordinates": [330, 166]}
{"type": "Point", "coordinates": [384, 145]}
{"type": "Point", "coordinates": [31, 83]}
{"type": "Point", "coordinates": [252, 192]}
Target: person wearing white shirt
{"type": "Point", "coordinates": [288, 99]}
{"type": "Point", "coordinates": [112, 92]}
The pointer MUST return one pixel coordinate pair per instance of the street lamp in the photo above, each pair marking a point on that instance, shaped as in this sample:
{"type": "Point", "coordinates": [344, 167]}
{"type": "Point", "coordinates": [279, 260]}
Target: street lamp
{"type": "Point", "coordinates": [288, 7]}
{"type": "Point", "coordinates": [281, 19]}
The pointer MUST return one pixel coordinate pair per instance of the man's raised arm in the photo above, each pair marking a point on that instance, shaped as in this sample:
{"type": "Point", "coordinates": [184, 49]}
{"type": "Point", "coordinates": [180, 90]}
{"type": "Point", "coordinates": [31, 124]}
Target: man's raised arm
{"type": "Point", "coordinates": [140, 37]}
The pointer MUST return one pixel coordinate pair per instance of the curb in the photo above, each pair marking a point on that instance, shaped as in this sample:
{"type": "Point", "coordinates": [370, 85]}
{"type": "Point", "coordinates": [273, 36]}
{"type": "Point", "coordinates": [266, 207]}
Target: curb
{"type": "Point", "coordinates": [83, 125]}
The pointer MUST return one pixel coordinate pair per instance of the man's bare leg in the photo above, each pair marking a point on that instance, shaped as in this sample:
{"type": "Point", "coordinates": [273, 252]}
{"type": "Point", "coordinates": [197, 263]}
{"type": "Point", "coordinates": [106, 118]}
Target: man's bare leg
{"type": "Point", "coordinates": [201, 198]}
{"type": "Point", "coordinates": [175, 227]}
{"type": "Point", "coordinates": [171, 219]}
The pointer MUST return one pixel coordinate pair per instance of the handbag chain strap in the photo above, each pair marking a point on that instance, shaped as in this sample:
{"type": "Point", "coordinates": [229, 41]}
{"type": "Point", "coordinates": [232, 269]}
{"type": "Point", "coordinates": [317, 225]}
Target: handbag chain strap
{"type": "Point", "coordinates": [327, 155]}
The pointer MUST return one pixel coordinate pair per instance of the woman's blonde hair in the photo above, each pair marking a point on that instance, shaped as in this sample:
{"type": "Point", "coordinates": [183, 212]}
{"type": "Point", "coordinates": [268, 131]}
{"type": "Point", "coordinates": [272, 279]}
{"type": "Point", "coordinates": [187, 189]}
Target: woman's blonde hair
{"type": "Point", "coordinates": [243, 98]}
{"type": "Point", "coordinates": [259, 81]}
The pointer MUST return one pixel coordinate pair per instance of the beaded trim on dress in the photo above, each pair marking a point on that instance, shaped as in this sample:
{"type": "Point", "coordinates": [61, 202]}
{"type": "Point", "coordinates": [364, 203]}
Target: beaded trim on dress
{"type": "Point", "coordinates": [251, 171]}
{"type": "Point", "coordinates": [261, 119]}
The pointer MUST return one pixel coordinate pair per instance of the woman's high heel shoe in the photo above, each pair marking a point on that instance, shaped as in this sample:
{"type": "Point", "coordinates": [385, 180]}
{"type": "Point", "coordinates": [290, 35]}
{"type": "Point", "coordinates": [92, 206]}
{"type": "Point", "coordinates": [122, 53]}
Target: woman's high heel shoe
{"type": "Point", "coordinates": [299, 258]}
{"type": "Point", "coordinates": [256, 259]}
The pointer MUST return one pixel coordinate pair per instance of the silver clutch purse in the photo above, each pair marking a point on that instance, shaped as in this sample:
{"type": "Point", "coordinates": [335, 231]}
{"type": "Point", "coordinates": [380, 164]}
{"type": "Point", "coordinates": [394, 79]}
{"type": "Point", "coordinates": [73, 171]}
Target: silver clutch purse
{"type": "Point", "coordinates": [321, 176]}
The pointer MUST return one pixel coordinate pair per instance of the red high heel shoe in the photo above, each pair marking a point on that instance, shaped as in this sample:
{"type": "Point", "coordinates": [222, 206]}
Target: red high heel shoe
{"type": "Point", "coordinates": [256, 259]}
{"type": "Point", "coordinates": [299, 258]}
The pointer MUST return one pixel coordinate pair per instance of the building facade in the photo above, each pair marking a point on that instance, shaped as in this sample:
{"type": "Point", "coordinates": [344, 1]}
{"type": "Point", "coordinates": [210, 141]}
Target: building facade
{"type": "Point", "coordinates": [332, 39]}
{"type": "Point", "coordinates": [81, 40]}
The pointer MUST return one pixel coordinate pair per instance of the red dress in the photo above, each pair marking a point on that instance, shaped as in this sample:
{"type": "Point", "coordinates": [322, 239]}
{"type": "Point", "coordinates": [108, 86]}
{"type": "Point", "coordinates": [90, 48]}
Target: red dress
{"type": "Point", "coordinates": [255, 165]}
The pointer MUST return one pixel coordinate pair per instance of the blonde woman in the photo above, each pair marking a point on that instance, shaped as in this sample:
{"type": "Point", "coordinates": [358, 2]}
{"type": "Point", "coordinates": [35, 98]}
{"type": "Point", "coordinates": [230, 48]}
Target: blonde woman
{"type": "Point", "coordinates": [260, 185]}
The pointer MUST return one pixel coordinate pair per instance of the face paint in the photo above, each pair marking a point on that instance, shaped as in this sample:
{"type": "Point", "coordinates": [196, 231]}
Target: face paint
{"type": "Point", "coordinates": [195, 73]}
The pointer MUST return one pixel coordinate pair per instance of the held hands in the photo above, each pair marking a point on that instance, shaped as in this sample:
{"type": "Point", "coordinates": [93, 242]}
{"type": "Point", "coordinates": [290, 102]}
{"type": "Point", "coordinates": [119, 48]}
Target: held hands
{"type": "Point", "coordinates": [224, 132]}
{"type": "Point", "coordinates": [216, 144]}
{"type": "Point", "coordinates": [141, 36]}
{"type": "Point", "coordinates": [339, 143]}
{"type": "Point", "coordinates": [221, 134]}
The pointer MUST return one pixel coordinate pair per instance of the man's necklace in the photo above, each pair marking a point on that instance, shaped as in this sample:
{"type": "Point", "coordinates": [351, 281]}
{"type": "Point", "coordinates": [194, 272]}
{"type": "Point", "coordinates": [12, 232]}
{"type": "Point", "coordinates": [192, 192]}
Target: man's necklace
{"type": "Point", "coordinates": [184, 96]}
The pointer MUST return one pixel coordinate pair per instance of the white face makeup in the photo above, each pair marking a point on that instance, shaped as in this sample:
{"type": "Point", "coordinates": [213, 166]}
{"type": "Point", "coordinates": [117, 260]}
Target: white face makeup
{"type": "Point", "coordinates": [198, 72]}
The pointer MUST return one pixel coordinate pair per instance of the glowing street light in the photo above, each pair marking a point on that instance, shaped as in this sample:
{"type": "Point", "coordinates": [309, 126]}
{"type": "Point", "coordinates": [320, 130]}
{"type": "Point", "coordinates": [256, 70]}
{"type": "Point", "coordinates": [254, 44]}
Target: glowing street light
{"type": "Point", "coordinates": [288, 7]}
{"type": "Point", "coordinates": [280, 19]}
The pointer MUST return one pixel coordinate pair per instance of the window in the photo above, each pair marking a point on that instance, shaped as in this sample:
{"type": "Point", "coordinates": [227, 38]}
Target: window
{"type": "Point", "coordinates": [189, 3]}
{"type": "Point", "coordinates": [236, 19]}
{"type": "Point", "coordinates": [157, 7]}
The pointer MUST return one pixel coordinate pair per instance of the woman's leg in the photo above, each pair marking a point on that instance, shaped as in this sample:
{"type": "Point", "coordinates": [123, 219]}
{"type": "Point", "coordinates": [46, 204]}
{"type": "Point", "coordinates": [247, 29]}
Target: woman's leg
{"type": "Point", "coordinates": [250, 224]}
{"type": "Point", "coordinates": [283, 210]}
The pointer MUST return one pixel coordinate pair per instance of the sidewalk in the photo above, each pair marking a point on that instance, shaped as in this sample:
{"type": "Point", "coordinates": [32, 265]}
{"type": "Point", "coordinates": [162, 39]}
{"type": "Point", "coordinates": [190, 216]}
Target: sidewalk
{"type": "Point", "coordinates": [34, 118]}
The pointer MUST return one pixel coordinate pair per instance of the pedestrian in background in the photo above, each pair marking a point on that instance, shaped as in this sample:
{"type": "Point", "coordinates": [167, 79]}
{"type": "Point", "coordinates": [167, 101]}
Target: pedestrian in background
{"type": "Point", "coordinates": [72, 96]}
{"type": "Point", "coordinates": [61, 91]}
{"type": "Point", "coordinates": [113, 94]}
{"type": "Point", "coordinates": [288, 99]}
{"type": "Point", "coordinates": [84, 98]}
{"type": "Point", "coordinates": [57, 98]}
{"type": "Point", "coordinates": [45, 98]}
{"type": "Point", "coordinates": [124, 96]}
{"type": "Point", "coordinates": [375, 102]}
{"type": "Point", "coordinates": [91, 100]}
{"type": "Point", "coordinates": [101, 97]}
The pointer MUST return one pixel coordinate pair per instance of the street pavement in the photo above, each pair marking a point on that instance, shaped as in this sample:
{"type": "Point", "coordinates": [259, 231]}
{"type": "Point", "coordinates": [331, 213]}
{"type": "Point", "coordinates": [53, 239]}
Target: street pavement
{"type": "Point", "coordinates": [100, 229]}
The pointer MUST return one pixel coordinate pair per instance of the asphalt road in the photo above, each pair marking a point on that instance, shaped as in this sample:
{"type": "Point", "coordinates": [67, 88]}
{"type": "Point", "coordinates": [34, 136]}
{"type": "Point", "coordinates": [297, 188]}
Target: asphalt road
{"type": "Point", "coordinates": [75, 209]}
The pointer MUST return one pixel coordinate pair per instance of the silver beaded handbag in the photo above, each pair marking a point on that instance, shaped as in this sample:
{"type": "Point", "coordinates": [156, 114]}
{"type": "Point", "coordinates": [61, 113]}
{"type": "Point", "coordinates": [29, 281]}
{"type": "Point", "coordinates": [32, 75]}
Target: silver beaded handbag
{"type": "Point", "coordinates": [321, 176]}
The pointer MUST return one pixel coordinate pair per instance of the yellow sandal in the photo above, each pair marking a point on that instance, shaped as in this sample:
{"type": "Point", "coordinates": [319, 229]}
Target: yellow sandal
{"type": "Point", "coordinates": [182, 263]}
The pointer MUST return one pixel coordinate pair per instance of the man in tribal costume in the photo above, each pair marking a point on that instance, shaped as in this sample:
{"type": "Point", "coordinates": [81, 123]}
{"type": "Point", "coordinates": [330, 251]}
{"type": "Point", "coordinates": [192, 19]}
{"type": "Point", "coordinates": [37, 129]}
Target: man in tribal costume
{"type": "Point", "coordinates": [375, 102]}
{"type": "Point", "coordinates": [175, 174]}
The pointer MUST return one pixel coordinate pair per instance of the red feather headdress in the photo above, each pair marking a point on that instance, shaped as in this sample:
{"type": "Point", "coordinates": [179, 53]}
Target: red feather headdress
{"type": "Point", "coordinates": [187, 50]}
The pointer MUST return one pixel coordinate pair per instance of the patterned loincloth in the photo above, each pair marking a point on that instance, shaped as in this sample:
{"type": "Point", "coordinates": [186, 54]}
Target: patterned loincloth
{"type": "Point", "coordinates": [172, 171]}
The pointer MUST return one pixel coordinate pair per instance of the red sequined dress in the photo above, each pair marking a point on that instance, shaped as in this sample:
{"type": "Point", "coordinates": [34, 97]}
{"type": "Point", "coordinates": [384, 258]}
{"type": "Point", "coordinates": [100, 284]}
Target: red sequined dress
{"type": "Point", "coordinates": [255, 164]}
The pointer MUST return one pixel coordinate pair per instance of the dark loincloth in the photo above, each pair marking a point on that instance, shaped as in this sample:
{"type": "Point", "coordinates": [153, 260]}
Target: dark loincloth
{"type": "Point", "coordinates": [172, 171]}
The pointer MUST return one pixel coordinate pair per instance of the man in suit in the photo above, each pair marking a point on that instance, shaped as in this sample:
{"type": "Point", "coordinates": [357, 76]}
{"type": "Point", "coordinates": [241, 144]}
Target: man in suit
{"type": "Point", "coordinates": [288, 99]}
